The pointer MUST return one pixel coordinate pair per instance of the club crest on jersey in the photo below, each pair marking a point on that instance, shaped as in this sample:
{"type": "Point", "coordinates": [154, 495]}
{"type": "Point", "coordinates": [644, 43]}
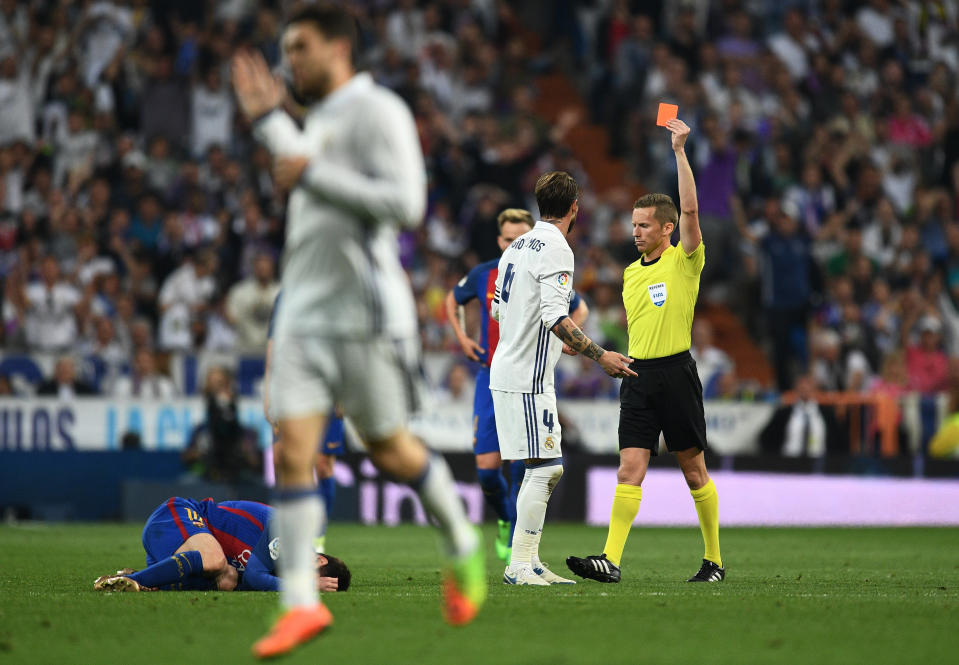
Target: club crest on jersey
{"type": "Point", "coordinates": [275, 549]}
{"type": "Point", "coordinates": [563, 279]}
{"type": "Point", "coordinates": [548, 444]}
{"type": "Point", "coordinates": [657, 293]}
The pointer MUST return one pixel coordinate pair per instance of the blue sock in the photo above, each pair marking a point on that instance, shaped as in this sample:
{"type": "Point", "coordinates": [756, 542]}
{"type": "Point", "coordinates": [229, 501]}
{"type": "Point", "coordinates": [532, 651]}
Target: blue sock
{"type": "Point", "coordinates": [327, 491]}
{"type": "Point", "coordinates": [191, 583]}
{"type": "Point", "coordinates": [495, 491]}
{"type": "Point", "coordinates": [170, 571]}
{"type": "Point", "coordinates": [517, 470]}
{"type": "Point", "coordinates": [326, 488]}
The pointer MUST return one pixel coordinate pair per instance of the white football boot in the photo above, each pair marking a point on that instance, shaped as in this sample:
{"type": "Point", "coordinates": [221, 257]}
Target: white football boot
{"type": "Point", "coordinates": [552, 578]}
{"type": "Point", "coordinates": [523, 576]}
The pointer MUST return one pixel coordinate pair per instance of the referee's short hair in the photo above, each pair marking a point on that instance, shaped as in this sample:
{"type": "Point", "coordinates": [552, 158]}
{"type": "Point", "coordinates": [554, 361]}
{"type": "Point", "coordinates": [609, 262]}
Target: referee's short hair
{"type": "Point", "coordinates": [515, 216]}
{"type": "Point", "coordinates": [332, 21]}
{"type": "Point", "coordinates": [665, 208]}
{"type": "Point", "coordinates": [555, 193]}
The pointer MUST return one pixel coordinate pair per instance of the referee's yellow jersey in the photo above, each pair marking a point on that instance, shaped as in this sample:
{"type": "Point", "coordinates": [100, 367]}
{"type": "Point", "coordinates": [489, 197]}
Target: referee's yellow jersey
{"type": "Point", "coordinates": [660, 298]}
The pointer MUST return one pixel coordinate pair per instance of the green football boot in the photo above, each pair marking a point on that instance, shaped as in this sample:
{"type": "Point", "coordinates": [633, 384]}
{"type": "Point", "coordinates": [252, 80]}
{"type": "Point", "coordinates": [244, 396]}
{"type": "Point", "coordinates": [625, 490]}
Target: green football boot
{"type": "Point", "coordinates": [465, 586]}
{"type": "Point", "coordinates": [503, 545]}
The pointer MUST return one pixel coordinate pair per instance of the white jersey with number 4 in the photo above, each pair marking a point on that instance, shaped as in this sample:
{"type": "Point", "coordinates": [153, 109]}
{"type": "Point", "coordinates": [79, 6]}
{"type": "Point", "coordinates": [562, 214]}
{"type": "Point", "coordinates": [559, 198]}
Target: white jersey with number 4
{"type": "Point", "coordinates": [534, 286]}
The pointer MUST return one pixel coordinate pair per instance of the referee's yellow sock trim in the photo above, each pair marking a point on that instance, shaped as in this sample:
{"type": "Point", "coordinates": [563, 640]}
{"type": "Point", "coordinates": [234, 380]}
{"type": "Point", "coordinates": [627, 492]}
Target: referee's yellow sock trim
{"type": "Point", "coordinates": [625, 506]}
{"type": "Point", "coordinates": [707, 508]}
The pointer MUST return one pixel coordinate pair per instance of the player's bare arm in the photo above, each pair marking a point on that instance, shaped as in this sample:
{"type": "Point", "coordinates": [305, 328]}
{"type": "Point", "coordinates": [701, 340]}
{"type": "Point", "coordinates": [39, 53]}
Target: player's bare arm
{"type": "Point", "coordinates": [454, 314]}
{"type": "Point", "coordinates": [579, 316]}
{"type": "Point", "coordinates": [614, 364]}
{"type": "Point", "coordinates": [257, 90]}
{"type": "Point", "coordinates": [690, 234]}
{"type": "Point", "coordinates": [259, 93]}
{"type": "Point", "coordinates": [287, 170]}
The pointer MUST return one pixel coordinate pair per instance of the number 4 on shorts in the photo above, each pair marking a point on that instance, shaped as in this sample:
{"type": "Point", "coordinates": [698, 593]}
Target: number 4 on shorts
{"type": "Point", "coordinates": [548, 420]}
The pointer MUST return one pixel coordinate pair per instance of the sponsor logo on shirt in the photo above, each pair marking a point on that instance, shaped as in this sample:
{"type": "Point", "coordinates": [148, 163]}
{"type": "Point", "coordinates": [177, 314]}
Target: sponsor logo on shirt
{"type": "Point", "coordinates": [241, 560]}
{"type": "Point", "coordinates": [657, 293]}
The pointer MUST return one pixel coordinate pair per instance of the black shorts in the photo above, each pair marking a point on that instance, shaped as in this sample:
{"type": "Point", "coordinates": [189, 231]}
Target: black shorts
{"type": "Point", "coordinates": [666, 397]}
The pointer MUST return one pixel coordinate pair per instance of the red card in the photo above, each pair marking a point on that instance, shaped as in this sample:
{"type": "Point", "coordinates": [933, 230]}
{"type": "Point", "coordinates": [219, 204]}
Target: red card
{"type": "Point", "coordinates": [666, 113]}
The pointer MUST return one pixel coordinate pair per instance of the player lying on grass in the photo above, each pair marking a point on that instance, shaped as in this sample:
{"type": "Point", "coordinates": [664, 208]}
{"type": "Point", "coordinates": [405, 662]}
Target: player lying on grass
{"type": "Point", "coordinates": [205, 545]}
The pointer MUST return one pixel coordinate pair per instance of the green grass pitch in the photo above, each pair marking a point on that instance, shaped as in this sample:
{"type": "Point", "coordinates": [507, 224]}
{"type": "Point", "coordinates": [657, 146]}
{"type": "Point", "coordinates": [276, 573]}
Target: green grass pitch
{"type": "Point", "coordinates": [791, 596]}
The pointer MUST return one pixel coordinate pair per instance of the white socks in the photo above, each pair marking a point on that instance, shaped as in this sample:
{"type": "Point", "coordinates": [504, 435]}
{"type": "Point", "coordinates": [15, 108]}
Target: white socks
{"type": "Point", "coordinates": [297, 514]}
{"type": "Point", "coordinates": [438, 493]}
{"type": "Point", "coordinates": [531, 503]}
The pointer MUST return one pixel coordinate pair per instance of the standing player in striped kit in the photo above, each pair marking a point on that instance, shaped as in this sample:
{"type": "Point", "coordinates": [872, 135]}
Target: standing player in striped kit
{"type": "Point", "coordinates": [346, 333]}
{"type": "Point", "coordinates": [534, 285]}
{"type": "Point", "coordinates": [479, 285]}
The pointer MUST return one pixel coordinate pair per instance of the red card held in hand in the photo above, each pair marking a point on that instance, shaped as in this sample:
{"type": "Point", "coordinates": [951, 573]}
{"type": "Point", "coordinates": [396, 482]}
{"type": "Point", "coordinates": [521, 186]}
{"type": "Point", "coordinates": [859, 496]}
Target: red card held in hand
{"type": "Point", "coordinates": [666, 113]}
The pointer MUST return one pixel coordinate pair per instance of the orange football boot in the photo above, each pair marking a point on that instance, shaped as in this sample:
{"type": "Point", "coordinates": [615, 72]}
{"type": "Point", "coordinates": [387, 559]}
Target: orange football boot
{"type": "Point", "coordinates": [297, 626]}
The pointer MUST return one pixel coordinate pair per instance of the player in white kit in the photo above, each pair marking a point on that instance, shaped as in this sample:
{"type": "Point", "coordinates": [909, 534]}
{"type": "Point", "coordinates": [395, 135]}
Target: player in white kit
{"type": "Point", "coordinates": [534, 285]}
{"type": "Point", "coordinates": [346, 329]}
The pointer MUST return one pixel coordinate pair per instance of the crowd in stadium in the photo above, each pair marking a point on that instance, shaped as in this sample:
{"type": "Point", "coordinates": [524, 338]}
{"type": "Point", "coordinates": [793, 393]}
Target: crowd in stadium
{"type": "Point", "coordinates": [138, 217]}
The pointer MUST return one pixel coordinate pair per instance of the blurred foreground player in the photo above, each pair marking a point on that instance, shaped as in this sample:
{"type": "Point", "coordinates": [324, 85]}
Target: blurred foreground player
{"type": "Point", "coordinates": [478, 285]}
{"type": "Point", "coordinates": [346, 332]}
{"type": "Point", "coordinates": [204, 545]}
{"type": "Point", "coordinates": [331, 446]}
{"type": "Point", "coordinates": [659, 292]}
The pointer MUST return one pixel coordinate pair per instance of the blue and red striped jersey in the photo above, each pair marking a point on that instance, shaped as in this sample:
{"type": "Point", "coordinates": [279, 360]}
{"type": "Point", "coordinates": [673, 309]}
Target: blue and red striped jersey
{"type": "Point", "coordinates": [237, 526]}
{"type": "Point", "coordinates": [479, 283]}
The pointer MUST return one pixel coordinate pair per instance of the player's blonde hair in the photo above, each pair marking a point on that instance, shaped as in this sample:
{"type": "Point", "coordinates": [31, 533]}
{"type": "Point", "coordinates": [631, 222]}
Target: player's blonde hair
{"type": "Point", "coordinates": [515, 216]}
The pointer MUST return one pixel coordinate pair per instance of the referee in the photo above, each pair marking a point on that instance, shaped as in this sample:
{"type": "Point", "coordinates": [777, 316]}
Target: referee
{"type": "Point", "coordinates": [659, 292]}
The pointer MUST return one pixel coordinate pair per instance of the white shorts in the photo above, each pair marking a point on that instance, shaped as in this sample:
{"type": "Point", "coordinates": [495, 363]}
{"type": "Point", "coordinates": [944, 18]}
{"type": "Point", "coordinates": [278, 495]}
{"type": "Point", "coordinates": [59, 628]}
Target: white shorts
{"type": "Point", "coordinates": [378, 383]}
{"type": "Point", "coordinates": [527, 425]}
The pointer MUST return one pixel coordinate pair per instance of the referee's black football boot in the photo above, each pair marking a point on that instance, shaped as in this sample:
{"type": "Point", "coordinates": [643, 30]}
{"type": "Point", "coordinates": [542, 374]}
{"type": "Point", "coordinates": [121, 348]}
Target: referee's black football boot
{"type": "Point", "coordinates": [709, 572]}
{"type": "Point", "coordinates": [597, 568]}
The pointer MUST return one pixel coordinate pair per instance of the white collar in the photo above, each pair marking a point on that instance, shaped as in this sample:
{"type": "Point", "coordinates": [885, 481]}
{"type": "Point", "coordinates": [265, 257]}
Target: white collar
{"type": "Point", "coordinates": [549, 225]}
{"type": "Point", "coordinates": [358, 82]}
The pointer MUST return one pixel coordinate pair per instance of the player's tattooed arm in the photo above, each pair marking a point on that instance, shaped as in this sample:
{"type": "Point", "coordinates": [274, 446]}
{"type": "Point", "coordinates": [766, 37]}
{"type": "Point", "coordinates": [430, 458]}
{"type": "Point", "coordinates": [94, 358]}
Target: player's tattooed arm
{"type": "Point", "coordinates": [613, 363]}
{"type": "Point", "coordinates": [571, 334]}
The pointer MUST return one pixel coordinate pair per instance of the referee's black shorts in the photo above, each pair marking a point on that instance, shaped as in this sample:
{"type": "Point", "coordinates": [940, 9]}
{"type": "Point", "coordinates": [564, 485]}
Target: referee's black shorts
{"type": "Point", "coordinates": [666, 397]}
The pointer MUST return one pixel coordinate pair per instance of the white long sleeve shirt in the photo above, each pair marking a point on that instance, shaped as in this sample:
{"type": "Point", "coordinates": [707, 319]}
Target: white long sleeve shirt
{"type": "Point", "coordinates": [211, 118]}
{"type": "Point", "coordinates": [534, 285]}
{"type": "Point", "coordinates": [341, 271]}
{"type": "Point", "coordinates": [805, 431]}
{"type": "Point", "coordinates": [180, 294]}
{"type": "Point", "coordinates": [51, 323]}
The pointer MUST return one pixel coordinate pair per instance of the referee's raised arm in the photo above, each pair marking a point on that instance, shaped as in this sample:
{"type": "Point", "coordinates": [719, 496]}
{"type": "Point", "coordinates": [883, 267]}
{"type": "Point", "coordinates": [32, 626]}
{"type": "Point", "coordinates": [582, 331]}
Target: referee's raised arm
{"type": "Point", "coordinates": [690, 234]}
